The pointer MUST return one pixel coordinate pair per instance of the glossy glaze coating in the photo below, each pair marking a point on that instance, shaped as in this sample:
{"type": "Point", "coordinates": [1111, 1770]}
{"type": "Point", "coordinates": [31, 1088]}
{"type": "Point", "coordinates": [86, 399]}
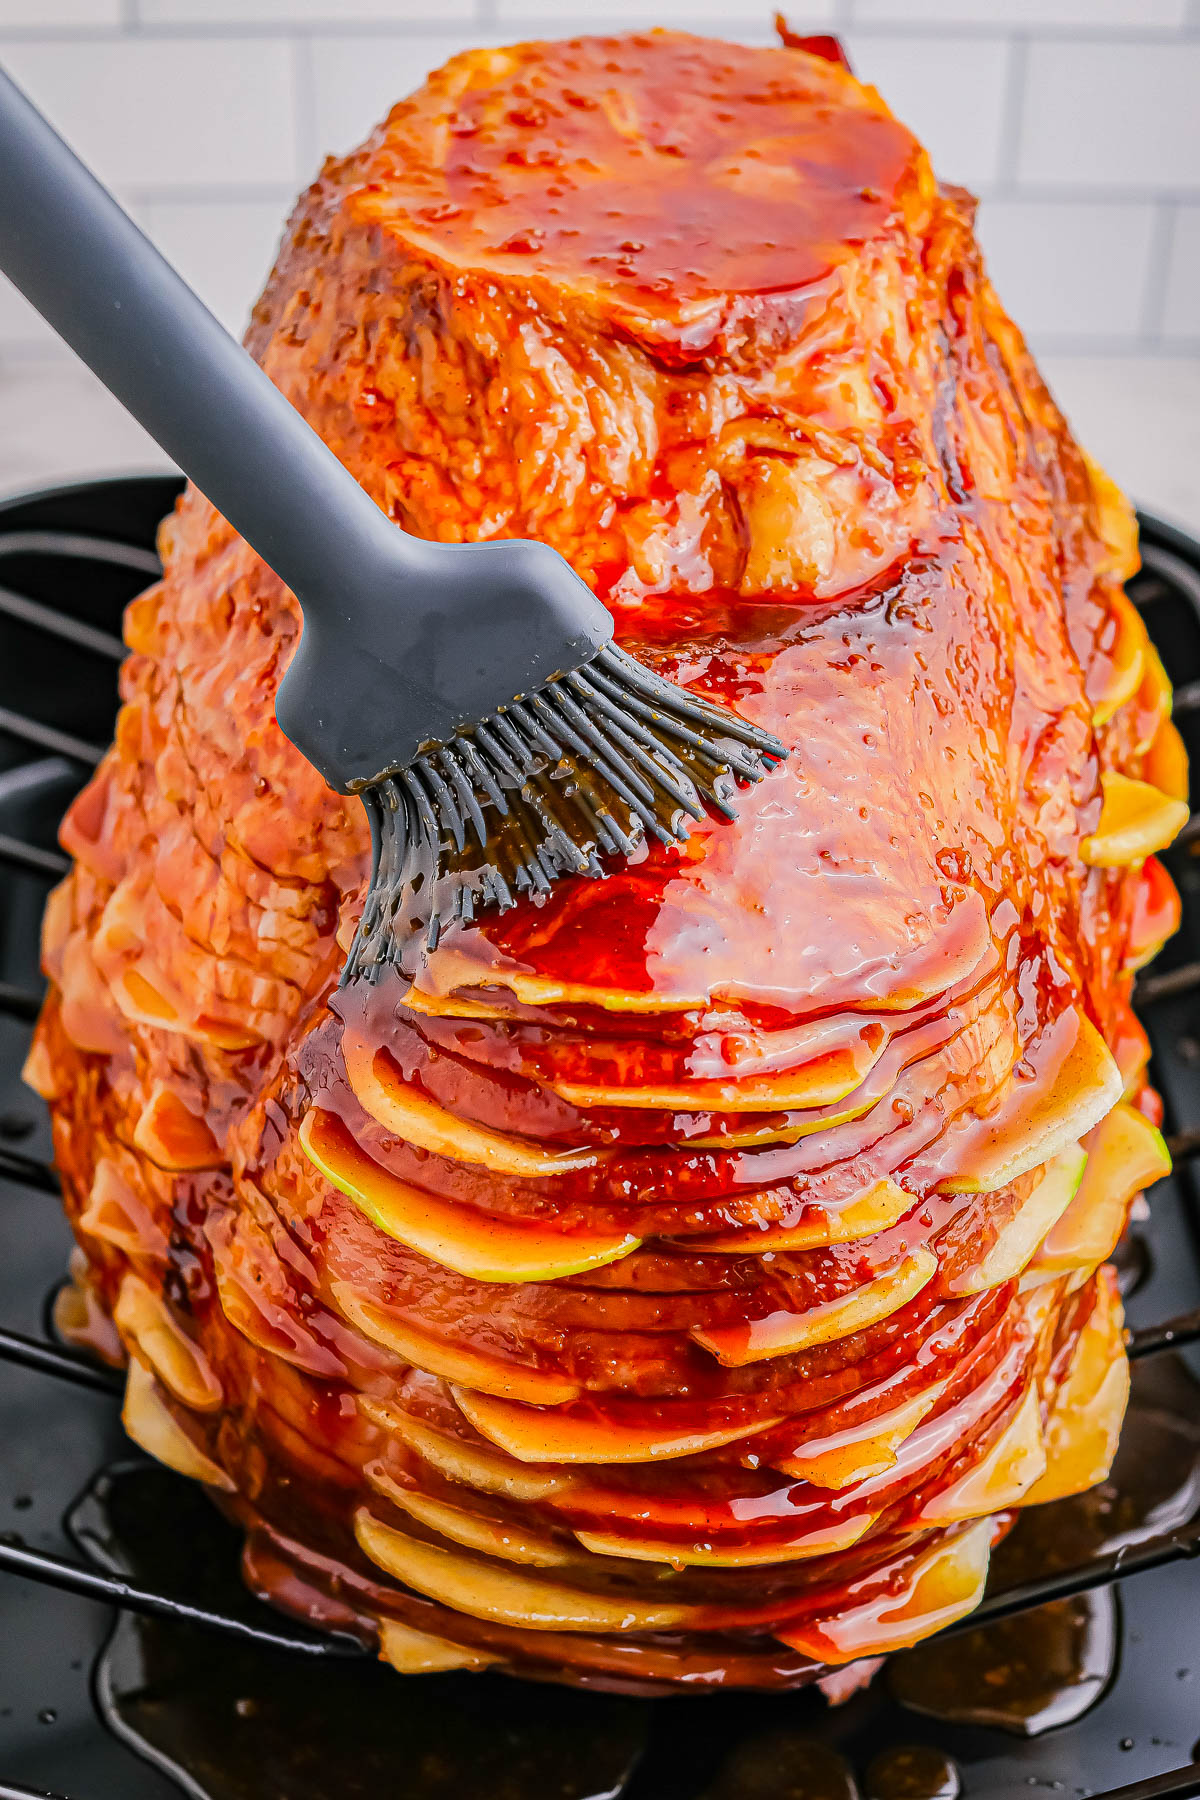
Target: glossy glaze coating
{"type": "Point", "coordinates": [685, 1277]}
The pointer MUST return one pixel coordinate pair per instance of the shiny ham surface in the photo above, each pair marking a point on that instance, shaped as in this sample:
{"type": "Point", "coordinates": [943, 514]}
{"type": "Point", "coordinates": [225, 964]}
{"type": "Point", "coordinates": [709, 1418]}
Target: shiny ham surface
{"type": "Point", "coordinates": [686, 1277]}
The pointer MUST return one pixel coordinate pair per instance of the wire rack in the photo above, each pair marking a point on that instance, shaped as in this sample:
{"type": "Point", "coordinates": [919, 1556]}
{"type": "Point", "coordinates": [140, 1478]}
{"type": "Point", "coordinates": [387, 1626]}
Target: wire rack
{"type": "Point", "coordinates": [41, 746]}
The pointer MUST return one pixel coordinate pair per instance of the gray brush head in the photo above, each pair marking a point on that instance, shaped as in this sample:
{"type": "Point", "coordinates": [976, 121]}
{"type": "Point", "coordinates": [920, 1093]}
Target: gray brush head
{"type": "Point", "coordinates": [587, 766]}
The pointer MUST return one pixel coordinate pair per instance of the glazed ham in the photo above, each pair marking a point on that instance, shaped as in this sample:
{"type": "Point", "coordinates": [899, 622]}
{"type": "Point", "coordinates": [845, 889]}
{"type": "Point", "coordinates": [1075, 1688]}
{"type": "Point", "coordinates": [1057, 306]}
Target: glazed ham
{"type": "Point", "coordinates": [689, 1275]}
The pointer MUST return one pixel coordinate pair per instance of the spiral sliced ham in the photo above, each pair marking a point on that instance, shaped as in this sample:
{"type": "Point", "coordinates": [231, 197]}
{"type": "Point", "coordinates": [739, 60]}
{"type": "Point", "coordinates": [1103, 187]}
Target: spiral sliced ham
{"type": "Point", "coordinates": [686, 1277]}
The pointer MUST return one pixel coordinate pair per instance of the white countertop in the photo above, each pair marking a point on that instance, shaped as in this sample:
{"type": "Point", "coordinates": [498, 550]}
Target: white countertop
{"type": "Point", "coordinates": [1138, 415]}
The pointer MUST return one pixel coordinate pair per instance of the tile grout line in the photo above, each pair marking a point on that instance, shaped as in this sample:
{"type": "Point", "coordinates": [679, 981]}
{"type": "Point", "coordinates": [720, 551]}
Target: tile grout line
{"type": "Point", "coordinates": [304, 100]}
{"type": "Point", "coordinates": [1012, 121]}
{"type": "Point", "coordinates": [484, 12]}
{"type": "Point", "coordinates": [1158, 266]}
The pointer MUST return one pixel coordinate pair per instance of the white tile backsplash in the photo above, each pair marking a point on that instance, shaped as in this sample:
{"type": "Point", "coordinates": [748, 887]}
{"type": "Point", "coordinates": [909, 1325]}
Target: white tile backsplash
{"type": "Point", "coordinates": [21, 328]}
{"type": "Point", "coordinates": [1181, 306]}
{"type": "Point", "coordinates": [224, 248]}
{"type": "Point", "coordinates": [414, 13]}
{"type": "Point", "coordinates": [1070, 270]}
{"type": "Point", "coordinates": [1112, 115]}
{"type": "Point", "coordinates": [552, 17]}
{"type": "Point", "coordinates": [950, 91]}
{"type": "Point", "coordinates": [1043, 15]}
{"type": "Point", "coordinates": [356, 82]}
{"type": "Point", "coordinates": [58, 15]}
{"type": "Point", "coordinates": [1139, 416]}
{"type": "Point", "coordinates": [1078, 120]}
{"type": "Point", "coordinates": [167, 114]}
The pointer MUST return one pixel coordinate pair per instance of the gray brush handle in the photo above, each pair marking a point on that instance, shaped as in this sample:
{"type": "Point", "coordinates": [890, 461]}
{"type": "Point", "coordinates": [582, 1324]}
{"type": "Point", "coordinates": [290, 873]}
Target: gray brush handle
{"type": "Point", "coordinates": [78, 257]}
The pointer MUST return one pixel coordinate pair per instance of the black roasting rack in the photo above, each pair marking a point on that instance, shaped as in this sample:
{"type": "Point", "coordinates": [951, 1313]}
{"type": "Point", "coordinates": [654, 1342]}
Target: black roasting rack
{"type": "Point", "coordinates": [69, 561]}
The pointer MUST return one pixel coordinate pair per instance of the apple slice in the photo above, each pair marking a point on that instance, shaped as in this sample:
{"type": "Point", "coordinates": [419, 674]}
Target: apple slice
{"type": "Point", "coordinates": [942, 1585]}
{"type": "Point", "coordinates": [473, 1585]}
{"type": "Point", "coordinates": [1002, 1476]}
{"type": "Point", "coordinates": [144, 1317]}
{"type": "Point", "coordinates": [821, 1082]}
{"type": "Point", "coordinates": [150, 1422]}
{"type": "Point", "coordinates": [172, 1136]}
{"type": "Point", "coordinates": [449, 971]}
{"type": "Point", "coordinates": [415, 1652]}
{"type": "Point", "coordinates": [1155, 699]}
{"type": "Point", "coordinates": [1089, 1407]}
{"type": "Point", "coordinates": [1125, 661]}
{"type": "Point", "coordinates": [475, 1531]}
{"type": "Point", "coordinates": [117, 1214]}
{"type": "Point", "coordinates": [538, 1434]}
{"type": "Point", "coordinates": [856, 1105]}
{"type": "Point", "coordinates": [1155, 915]}
{"type": "Point", "coordinates": [1136, 819]}
{"type": "Point", "coordinates": [1075, 1080]}
{"type": "Point", "coordinates": [450, 1006]}
{"type": "Point", "coordinates": [854, 1454]}
{"type": "Point", "coordinates": [783, 1333]}
{"type": "Point", "coordinates": [1127, 1154]}
{"type": "Point", "coordinates": [1115, 524]}
{"type": "Point", "coordinates": [469, 1464]}
{"type": "Point", "coordinates": [1165, 764]}
{"type": "Point", "coordinates": [875, 1209]}
{"type": "Point", "coordinates": [1019, 1239]}
{"type": "Point", "coordinates": [451, 1361]}
{"type": "Point", "coordinates": [382, 1092]}
{"type": "Point", "coordinates": [485, 1247]}
{"type": "Point", "coordinates": [826, 1540]}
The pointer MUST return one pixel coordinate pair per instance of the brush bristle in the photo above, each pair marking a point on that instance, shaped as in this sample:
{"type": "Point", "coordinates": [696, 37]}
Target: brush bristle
{"type": "Point", "coordinates": [586, 767]}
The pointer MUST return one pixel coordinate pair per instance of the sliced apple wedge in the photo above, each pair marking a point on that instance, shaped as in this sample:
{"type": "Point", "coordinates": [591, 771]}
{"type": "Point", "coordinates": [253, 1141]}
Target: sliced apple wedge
{"type": "Point", "coordinates": [172, 1136]}
{"type": "Point", "coordinates": [1115, 524]}
{"type": "Point", "coordinates": [473, 1585]}
{"type": "Point", "coordinates": [1155, 699]}
{"type": "Point", "coordinates": [151, 1424]}
{"type": "Point", "coordinates": [477, 1244]}
{"type": "Point", "coordinates": [1019, 1239]}
{"type": "Point", "coordinates": [855, 1105]}
{"type": "Point", "coordinates": [860, 1451]}
{"type": "Point", "coordinates": [1126, 661]}
{"type": "Point", "coordinates": [823, 1081]}
{"type": "Point", "coordinates": [448, 971]}
{"type": "Point", "coordinates": [1165, 764]}
{"type": "Point", "coordinates": [144, 1318]}
{"type": "Point", "coordinates": [1155, 915]}
{"type": "Point", "coordinates": [875, 1209]}
{"type": "Point", "coordinates": [381, 1091]}
{"type": "Point", "coordinates": [1127, 1154]}
{"type": "Point", "coordinates": [1001, 1477]}
{"type": "Point", "coordinates": [827, 1540]}
{"type": "Point", "coordinates": [783, 1333]}
{"type": "Point", "coordinates": [118, 1214]}
{"type": "Point", "coordinates": [1136, 819]}
{"type": "Point", "coordinates": [540, 1434]}
{"type": "Point", "coordinates": [451, 1361]}
{"type": "Point", "coordinates": [1089, 1407]}
{"type": "Point", "coordinates": [415, 1652]}
{"type": "Point", "coordinates": [470, 1464]}
{"type": "Point", "coordinates": [475, 1531]}
{"type": "Point", "coordinates": [451, 1006]}
{"type": "Point", "coordinates": [1074, 1082]}
{"type": "Point", "coordinates": [944, 1584]}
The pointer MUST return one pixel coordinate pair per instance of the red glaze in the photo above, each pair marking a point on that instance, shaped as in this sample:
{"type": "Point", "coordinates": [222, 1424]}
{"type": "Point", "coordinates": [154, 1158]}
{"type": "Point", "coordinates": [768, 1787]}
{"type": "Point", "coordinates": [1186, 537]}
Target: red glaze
{"type": "Point", "coordinates": [701, 317]}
